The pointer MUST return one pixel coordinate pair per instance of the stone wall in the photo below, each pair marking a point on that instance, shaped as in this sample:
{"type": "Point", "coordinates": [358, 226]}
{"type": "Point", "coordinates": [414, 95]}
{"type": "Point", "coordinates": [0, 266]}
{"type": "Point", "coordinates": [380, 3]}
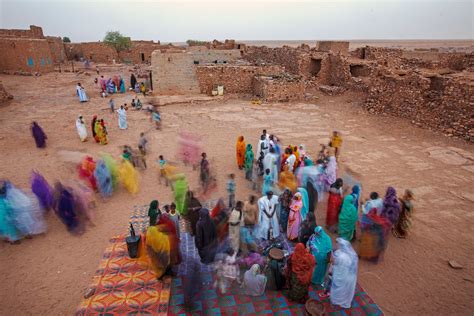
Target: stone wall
{"type": "Point", "coordinates": [96, 52]}
{"type": "Point", "coordinates": [288, 57]}
{"type": "Point", "coordinates": [56, 46]}
{"type": "Point", "coordinates": [4, 95]}
{"type": "Point", "coordinates": [337, 47]}
{"type": "Point", "coordinates": [175, 72]}
{"type": "Point", "coordinates": [282, 88]}
{"type": "Point", "coordinates": [25, 55]}
{"type": "Point", "coordinates": [234, 78]}
{"type": "Point", "coordinates": [442, 103]}
{"type": "Point", "coordinates": [33, 32]}
{"type": "Point", "coordinates": [139, 52]}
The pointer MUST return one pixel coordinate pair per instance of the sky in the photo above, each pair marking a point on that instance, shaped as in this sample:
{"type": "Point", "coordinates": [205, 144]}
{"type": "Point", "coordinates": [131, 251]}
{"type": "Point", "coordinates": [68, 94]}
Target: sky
{"type": "Point", "coordinates": [180, 20]}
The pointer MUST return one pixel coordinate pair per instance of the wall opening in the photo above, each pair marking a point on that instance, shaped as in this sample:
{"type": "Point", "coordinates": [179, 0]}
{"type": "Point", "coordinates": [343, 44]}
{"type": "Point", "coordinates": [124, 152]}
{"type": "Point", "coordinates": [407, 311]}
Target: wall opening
{"type": "Point", "coordinates": [314, 66]}
{"type": "Point", "coordinates": [359, 71]}
{"type": "Point", "coordinates": [142, 56]}
{"type": "Point", "coordinates": [362, 53]}
{"type": "Point", "coordinates": [436, 84]}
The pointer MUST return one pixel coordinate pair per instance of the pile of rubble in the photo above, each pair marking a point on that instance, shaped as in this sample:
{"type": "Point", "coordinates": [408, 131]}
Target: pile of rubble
{"type": "Point", "coordinates": [282, 88]}
{"type": "Point", "coordinates": [440, 103]}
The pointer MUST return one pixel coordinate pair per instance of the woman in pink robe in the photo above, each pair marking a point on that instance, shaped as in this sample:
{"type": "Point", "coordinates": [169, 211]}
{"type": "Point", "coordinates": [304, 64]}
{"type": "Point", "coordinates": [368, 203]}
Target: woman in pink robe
{"type": "Point", "coordinates": [294, 219]}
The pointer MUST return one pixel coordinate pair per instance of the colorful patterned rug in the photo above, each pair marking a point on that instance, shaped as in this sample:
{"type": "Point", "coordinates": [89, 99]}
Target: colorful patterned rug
{"type": "Point", "coordinates": [271, 303]}
{"type": "Point", "coordinates": [125, 286]}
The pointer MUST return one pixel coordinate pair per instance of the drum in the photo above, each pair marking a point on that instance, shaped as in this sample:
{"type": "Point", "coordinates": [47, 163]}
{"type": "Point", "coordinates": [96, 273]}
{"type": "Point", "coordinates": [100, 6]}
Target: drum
{"type": "Point", "coordinates": [314, 308]}
{"type": "Point", "coordinates": [276, 254]}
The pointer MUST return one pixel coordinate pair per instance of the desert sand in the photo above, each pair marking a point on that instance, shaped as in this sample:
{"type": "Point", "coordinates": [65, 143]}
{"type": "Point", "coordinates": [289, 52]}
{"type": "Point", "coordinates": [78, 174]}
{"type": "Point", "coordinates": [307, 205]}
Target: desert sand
{"type": "Point", "coordinates": [47, 275]}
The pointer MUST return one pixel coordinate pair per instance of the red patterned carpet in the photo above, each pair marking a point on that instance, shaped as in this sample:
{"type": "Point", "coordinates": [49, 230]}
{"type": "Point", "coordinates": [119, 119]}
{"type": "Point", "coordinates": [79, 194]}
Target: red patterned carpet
{"type": "Point", "coordinates": [125, 286]}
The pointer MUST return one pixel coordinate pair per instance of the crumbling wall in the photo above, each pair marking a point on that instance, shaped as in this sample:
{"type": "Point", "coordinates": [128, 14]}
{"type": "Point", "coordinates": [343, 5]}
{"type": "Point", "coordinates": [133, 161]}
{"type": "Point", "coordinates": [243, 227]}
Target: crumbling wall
{"type": "Point", "coordinates": [335, 71]}
{"type": "Point", "coordinates": [288, 57]}
{"type": "Point", "coordinates": [33, 32]}
{"type": "Point", "coordinates": [96, 52]}
{"type": "Point", "coordinates": [4, 95]}
{"type": "Point", "coordinates": [442, 103]}
{"type": "Point", "coordinates": [283, 88]}
{"type": "Point", "coordinates": [139, 52]}
{"type": "Point", "coordinates": [234, 78]}
{"type": "Point", "coordinates": [337, 47]}
{"type": "Point", "coordinates": [25, 55]}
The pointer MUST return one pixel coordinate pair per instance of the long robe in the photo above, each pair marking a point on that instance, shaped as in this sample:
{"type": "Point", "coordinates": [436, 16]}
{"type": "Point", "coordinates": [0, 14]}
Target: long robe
{"type": "Point", "coordinates": [236, 220]}
{"type": "Point", "coordinates": [304, 198]}
{"type": "Point", "coordinates": [8, 230]}
{"type": "Point", "coordinates": [122, 86]}
{"type": "Point", "coordinates": [240, 152]}
{"type": "Point", "coordinates": [93, 127]}
{"type": "Point", "coordinates": [320, 245]}
{"type": "Point", "coordinates": [104, 179]}
{"type": "Point", "coordinates": [129, 177]}
{"type": "Point", "coordinates": [294, 218]}
{"type": "Point", "coordinates": [122, 118]}
{"type": "Point", "coordinates": [344, 274]}
{"type": "Point", "coordinates": [43, 191]}
{"type": "Point", "coordinates": [347, 218]}
{"type": "Point", "coordinates": [206, 237]}
{"type": "Point", "coordinates": [267, 218]}
{"type": "Point", "coordinates": [81, 93]}
{"type": "Point", "coordinates": [158, 248]}
{"type": "Point", "coordinates": [81, 130]}
{"type": "Point", "coordinates": [39, 135]}
{"type": "Point", "coordinates": [333, 209]}
{"type": "Point", "coordinates": [270, 162]}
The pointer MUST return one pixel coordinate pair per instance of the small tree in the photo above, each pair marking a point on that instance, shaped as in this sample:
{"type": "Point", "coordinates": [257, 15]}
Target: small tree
{"type": "Point", "coordinates": [66, 39]}
{"type": "Point", "coordinates": [192, 42]}
{"type": "Point", "coordinates": [117, 41]}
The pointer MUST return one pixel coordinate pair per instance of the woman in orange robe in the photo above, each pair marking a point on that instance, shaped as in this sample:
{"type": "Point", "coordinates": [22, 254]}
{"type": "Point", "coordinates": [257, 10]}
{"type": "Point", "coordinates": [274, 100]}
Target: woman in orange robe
{"type": "Point", "coordinates": [240, 151]}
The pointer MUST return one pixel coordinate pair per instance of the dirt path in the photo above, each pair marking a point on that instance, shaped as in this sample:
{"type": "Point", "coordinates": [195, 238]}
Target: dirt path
{"type": "Point", "coordinates": [48, 274]}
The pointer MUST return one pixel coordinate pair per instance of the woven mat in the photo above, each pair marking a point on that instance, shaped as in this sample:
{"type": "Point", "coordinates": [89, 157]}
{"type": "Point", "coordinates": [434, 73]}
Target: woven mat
{"type": "Point", "coordinates": [234, 302]}
{"type": "Point", "coordinates": [125, 286]}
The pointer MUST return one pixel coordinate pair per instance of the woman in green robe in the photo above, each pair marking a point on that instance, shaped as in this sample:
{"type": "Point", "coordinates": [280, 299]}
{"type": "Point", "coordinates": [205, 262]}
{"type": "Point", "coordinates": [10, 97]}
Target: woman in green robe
{"type": "Point", "coordinates": [347, 218]}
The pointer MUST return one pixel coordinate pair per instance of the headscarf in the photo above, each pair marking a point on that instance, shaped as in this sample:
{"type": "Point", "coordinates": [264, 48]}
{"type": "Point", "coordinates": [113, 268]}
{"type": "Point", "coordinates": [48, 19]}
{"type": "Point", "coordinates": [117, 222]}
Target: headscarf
{"type": "Point", "coordinates": [249, 157]}
{"type": "Point", "coordinates": [391, 206]}
{"type": "Point", "coordinates": [320, 242]}
{"type": "Point", "coordinates": [39, 135]}
{"type": "Point", "coordinates": [296, 202]}
{"type": "Point", "coordinates": [356, 194]}
{"type": "Point", "coordinates": [159, 243]}
{"type": "Point", "coordinates": [302, 264]}
{"type": "Point", "coordinates": [94, 119]}
{"type": "Point", "coordinates": [305, 200]}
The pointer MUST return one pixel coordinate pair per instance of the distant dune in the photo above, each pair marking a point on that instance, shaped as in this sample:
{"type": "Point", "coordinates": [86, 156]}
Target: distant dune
{"type": "Point", "coordinates": [442, 45]}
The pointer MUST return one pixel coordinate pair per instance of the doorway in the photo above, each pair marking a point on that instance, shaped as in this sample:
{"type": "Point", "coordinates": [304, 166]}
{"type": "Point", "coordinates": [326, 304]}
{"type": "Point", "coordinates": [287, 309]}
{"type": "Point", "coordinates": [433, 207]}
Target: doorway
{"type": "Point", "coordinates": [314, 67]}
{"type": "Point", "coordinates": [143, 57]}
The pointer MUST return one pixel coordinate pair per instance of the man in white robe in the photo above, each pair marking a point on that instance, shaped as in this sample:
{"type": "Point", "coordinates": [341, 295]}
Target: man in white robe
{"type": "Point", "coordinates": [267, 219]}
{"type": "Point", "coordinates": [271, 162]}
{"type": "Point", "coordinates": [122, 117]}
{"type": "Point", "coordinates": [81, 129]}
{"type": "Point", "coordinates": [290, 161]}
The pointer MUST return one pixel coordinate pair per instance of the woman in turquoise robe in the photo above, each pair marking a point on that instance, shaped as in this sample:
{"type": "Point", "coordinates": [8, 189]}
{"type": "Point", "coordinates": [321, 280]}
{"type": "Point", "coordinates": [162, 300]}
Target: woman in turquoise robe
{"type": "Point", "coordinates": [320, 245]}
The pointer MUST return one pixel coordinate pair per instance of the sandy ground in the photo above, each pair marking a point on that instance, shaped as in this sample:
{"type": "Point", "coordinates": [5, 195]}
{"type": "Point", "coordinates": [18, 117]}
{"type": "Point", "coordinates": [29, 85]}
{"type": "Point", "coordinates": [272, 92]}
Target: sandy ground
{"type": "Point", "coordinates": [48, 275]}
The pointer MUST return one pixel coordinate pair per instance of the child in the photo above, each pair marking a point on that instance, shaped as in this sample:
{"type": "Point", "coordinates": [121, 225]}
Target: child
{"type": "Point", "coordinates": [171, 210]}
{"type": "Point", "coordinates": [231, 190]}
{"type": "Point", "coordinates": [133, 103]}
{"type": "Point", "coordinates": [143, 142]}
{"type": "Point", "coordinates": [336, 143]}
{"type": "Point", "coordinates": [138, 106]}
{"type": "Point", "coordinates": [260, 164]}
{"type": "Point", "coordinates": [112, 105]}
{"type": "Point", "coordinates": [255, 175]}
{"type": "Point", "coordinates": [162, 163]}
{"type": "Point", "coordinates": [267, 182]}
{"type": "Point", "coordinates": [141, 156]}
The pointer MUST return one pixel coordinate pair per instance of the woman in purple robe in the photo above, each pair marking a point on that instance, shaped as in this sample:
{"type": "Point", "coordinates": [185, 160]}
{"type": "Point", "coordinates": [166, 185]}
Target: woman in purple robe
{"type": "Point", "coordinates": [43, 191]}
{"type": "Point", "coordinates": [66, 209]}
{"type": "Point", "coordinates": [391, 206]}
{"type": "Point", "coordinates": [39, 135]}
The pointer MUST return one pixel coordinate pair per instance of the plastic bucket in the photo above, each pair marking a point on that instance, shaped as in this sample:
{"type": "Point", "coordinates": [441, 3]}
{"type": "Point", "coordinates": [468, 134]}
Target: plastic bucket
{"type": "Point", "coordinates": [133, 243]}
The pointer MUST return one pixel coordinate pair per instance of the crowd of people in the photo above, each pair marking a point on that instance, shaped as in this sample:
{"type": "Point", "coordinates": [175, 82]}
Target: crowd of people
{"type": "Point", "coordinates": [249, 237]}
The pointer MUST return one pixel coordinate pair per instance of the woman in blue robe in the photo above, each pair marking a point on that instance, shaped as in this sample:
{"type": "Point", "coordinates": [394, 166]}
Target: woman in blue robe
{"type": "Point", "coordinates": [39, 135]}
{"type": "Point", "coordinates": [122, 86]}
{"type": "Point", "coordinates": [320, 245]}
{"type": "Point", "coordinates": [305, 199]}
{"type": "Point", "coordinates": [104, 178]}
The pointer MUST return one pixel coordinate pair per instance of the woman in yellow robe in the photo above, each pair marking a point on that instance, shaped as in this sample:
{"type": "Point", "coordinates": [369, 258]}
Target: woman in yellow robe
{"type": "Point", "coordinates": [158, 250]}
{"type": "Point", "coordinates": [287, 180]}
{"type": "Point", "coordinates": [240, 151]}
{"type": "Point", "coordinates": [128, 176]}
